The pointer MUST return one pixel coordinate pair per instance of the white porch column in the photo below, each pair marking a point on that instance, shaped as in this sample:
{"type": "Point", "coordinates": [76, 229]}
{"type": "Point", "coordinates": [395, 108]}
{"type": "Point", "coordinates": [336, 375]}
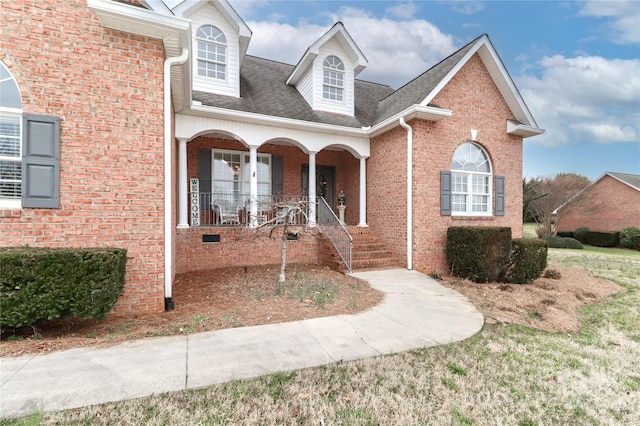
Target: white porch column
{"type": "Point", "coordinates": [183, 196]}
{"type": "Point", "coordinates": [312, 188]}
{"type": "Point", "coordinates": [253, 186]}
{"type": "Point", "coordinates": [363, 193]}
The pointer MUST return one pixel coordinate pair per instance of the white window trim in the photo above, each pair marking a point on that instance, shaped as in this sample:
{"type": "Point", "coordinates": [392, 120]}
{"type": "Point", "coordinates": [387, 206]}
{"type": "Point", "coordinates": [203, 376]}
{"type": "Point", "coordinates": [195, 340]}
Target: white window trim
{"type": "Point", "coordinates": [216, 43]}
{"type": "Point", "coordinates": [341, 88]}
{"type": "Point", "coordinates": [469, 193]}
{"type": "Point", "coordinates": [244, 162]}
{"type": "Point", "coordinates": [469, 210]}
{"type": "Point", "coordinates": [13, 203]}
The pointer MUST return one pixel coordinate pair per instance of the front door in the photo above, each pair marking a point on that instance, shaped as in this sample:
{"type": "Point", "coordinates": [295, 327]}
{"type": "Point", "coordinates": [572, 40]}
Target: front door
{"type": "Point", "coordinates": [325, 183]}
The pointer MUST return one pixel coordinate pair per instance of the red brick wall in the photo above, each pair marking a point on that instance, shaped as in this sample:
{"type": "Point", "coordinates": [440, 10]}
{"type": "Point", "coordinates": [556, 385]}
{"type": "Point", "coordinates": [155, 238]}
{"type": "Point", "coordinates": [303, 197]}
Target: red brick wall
{"type": "Point", "coordinates": [607, 205]}
{"type": "Point", "coordinates": [241, 246]}
{"type": "Point", "coordinates": [106, 88]}
{"type": "Point", "coordinates": [476, 104]}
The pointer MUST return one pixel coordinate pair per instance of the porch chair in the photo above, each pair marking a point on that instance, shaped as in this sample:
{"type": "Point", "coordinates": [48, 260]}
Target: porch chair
{"type": "Point", "coordinates": [226, 212]}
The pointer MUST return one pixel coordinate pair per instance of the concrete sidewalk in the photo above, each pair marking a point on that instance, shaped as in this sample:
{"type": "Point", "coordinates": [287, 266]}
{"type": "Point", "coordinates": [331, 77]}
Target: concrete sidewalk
{"type": "Point", "coordinates": [416, 312]}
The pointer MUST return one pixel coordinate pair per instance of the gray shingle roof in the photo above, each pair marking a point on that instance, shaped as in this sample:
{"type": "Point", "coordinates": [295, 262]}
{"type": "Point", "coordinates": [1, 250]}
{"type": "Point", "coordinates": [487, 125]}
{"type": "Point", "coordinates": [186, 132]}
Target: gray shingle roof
{"type": "Point", "coordinates": [629, 179]}
{"type": "Point", "coordinates": [263, 90]}
{"type": "Point", "coordinates": [419, 88]}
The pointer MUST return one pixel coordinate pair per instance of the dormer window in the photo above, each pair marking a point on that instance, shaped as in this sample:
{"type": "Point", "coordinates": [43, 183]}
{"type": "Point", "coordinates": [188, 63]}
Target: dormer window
{"type": "Point", "coordinates": [333, 83]}
{"type": "Point", "coordinates": [212, 52]}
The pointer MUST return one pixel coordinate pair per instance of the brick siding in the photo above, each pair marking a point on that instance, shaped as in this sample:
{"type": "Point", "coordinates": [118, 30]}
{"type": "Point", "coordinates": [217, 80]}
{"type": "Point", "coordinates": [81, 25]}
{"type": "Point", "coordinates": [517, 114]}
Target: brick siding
{"type": "Point", "coordinates": [106, 88]}
{"type": "Point", "coordinates": [607, 205]}
{"type": "Point", "coordinates": [476, 104]}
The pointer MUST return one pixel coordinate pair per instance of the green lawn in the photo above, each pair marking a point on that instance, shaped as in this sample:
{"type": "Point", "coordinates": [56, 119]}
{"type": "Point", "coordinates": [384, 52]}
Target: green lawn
{"type": "Point", "coordinates": [506, 374]}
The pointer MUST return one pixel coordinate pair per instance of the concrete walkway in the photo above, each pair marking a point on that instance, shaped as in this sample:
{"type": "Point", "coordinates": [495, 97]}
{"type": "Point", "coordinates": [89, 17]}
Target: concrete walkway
{"type": "Point", "coordinates": [416, 312]}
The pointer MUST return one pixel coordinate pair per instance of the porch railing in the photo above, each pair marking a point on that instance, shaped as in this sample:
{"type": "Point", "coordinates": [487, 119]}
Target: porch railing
{"type": "Point", "coordinates": [330, 225]}
{"type": "Point", "coordinates": [234, 209]}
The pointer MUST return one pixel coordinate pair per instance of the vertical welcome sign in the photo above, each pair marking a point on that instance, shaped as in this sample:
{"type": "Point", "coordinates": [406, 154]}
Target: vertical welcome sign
{"type": "Point", "coordinates": [195, 201]}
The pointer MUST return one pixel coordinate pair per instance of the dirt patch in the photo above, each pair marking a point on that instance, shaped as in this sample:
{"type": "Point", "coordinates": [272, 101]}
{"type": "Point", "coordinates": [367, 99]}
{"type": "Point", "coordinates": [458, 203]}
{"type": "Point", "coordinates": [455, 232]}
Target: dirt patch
{"type": "Point", "coordinates": [546, 304]}
{"type": "Point", "coordinates": [210, 300]}
{"type": "Point", "coordinates": [239, 297]}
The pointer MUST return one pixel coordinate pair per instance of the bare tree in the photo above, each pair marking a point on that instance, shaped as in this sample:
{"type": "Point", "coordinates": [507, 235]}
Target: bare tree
{"type": "Point", "coordinates": [554, 192]}
{"type": "Point", "coordinates": [285, 214]}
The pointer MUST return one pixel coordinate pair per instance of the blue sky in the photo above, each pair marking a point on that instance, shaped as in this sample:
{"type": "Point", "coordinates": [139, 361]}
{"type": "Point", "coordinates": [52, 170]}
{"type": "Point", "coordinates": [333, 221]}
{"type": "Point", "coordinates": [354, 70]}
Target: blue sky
{"type": "Point", "coordinates": [576, 63]}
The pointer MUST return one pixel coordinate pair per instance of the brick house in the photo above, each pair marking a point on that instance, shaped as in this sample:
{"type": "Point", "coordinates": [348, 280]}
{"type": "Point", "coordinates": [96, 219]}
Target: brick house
{"type": "Point", "coordinates": [127, 124]}
{"type": "Point", "coordinates": [592, 206]}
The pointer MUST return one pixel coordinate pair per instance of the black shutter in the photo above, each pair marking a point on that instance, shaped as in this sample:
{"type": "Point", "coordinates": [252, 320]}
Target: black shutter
{"type": "Point", "coordinates": [499, 195]}
{"type": "Point", "coordinates": [445, 193]}
{"type": "Point", "coordinates": [204, 175]}
{"type": "Point", "coordinates": [40, 161]}
{"type": "Point", "coordinates": [277, 175]}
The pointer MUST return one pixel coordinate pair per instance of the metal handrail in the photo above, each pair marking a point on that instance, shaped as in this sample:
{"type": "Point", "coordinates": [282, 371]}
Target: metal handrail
{"type": "Point", "coordinates": [331, 226]}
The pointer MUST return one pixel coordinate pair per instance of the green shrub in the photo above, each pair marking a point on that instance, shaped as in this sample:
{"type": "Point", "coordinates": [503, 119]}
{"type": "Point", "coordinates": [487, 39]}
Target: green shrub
{"type": "Point", "coordinates": [478, 253]}
{"type": "Point", "coordinates": [602, 239]}
{"type": "Point", "coordinates": [565, 234]}
{"type": "Point", "coordinates": [629, 238]}
{"type": "Point", "coordinates": [580, 234]}
{"type": "Point", "coordinates": [42, 284]}
{"type": "Point", "coordinates": [528, 261]}
{"type": "Point", "coordinates": [563, 242]}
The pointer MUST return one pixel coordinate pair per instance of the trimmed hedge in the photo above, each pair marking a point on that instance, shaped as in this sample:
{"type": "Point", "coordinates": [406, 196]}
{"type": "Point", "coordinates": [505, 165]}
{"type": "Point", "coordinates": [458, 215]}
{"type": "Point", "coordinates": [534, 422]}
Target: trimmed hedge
{"type": "Point", "coordinates": [528, 261]}
{"type": "Point", "coordinates": [42, 284]}
{"type": "Point", "coordinates": [630, 238]}
{"type": "Point", "coordinates": [602, 239]}
{"type": "Point", "coordinates": [565, 234]}
{"type": "Point", "coordinates": [478, 253]}
{"type": "Point", "coordinates": [580, 234]}
{"type": "Point", "coordinates": [563, 242]}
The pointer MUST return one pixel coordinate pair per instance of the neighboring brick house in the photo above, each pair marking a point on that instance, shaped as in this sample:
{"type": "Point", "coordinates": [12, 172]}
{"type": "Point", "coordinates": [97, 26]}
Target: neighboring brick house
{"type": "Point", "coordinates": [611, 203]}
{"type": "Point", "coordinates": [127, 124]}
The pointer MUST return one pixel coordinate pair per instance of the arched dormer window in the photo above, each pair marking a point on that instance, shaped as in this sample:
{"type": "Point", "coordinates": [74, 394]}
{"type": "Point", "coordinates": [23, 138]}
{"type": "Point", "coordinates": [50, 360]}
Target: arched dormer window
{"type": "Point", "coordinates": [10, 139]}
{"type": "Point", "coordinates": [333, 81]}
{"type": "Point", "coordinates": [211, 52]}
{"type": "Point", "coordinates": [470, 181]}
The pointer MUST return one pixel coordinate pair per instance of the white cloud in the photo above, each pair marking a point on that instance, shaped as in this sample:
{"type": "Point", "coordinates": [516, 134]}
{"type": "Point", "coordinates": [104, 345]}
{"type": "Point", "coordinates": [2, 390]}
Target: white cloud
{"type": "Point", "coordinates": [397, 50]}
{"type": "Point", "coordinates": [624, 16]}
{"type": "Point", "coordinates": [467, 7]}
{"type": "Point", "coordinates": [404, 10]}
{"type": "Point", "coordinates": [585, 99]}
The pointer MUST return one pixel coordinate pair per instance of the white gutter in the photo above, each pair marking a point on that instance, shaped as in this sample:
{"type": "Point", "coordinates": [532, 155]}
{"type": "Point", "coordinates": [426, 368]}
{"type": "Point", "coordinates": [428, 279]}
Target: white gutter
{"type": "Point", "coordinates": [409, 192]}
{"type": "Point", "coordinates": [168, 181]}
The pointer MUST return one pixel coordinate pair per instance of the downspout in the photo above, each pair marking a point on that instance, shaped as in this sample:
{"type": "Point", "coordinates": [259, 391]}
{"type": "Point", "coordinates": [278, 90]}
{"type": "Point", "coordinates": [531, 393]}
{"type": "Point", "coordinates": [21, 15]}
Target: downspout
{"type": "Point", "coordinates": [168, 178]}
{"type": "Point", "coordinates": [409, 192]}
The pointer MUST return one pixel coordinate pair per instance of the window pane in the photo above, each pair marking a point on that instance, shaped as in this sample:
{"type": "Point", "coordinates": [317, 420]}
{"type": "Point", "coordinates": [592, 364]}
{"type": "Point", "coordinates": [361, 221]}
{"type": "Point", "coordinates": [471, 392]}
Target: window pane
{"type": "Point", "coordinates": [459, 203]}
{"type": "Point", "coordinates": [480, 184]}
{"type": "Point", "coordinates": [479, 203]}
{"type": "Point", "coordinates": [459, 182]}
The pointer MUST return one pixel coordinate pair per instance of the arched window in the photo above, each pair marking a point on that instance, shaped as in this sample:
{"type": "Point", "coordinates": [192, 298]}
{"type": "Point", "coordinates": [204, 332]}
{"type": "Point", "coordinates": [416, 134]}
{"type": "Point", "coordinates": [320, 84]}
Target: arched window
{"type": "Point", "coordinates": [333, 83]}
{"type": "Point", "coordinates": [212, 52]}
{"type": "Point", "coordinates": [470, 181]}
{"type": "Point", "coordinates": [10, 139]}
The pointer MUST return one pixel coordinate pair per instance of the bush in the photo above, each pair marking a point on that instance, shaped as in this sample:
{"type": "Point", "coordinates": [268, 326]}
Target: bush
{"type": "Point", "coordinates": [42, 284]}
{"type": "Point", "coordinates": [563, 242]}
{"type": "Point", "coordinates": [602, 239]}
{"type": "Point", "coordinates": [478, 253]}
{"type": "Point", "coordinates": [528, 261]}
{"type": "Point", "coordinates": [630, 238]}
{"type": "Point", "coordinates": [565, 234]}
{"type": "Point", "coordinates": [580, 234]}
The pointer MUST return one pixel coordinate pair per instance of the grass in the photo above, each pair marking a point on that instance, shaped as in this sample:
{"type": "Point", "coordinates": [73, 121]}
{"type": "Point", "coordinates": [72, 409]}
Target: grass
{"type": "Point", "coordinates": [506, 374]}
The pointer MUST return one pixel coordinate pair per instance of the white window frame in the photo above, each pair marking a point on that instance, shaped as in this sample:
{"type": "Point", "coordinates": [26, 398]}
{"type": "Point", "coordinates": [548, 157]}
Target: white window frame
{"type": "Point", "coordinates": [464, 183]}
{"type": "Point", "coordinates": [16, 113]}
{"type": "Point", "coordinates": [242, 194]}
{"type": "Point", "coordinates": [218, 41]}
{"type": "Point", "coordinates": [333, 76]}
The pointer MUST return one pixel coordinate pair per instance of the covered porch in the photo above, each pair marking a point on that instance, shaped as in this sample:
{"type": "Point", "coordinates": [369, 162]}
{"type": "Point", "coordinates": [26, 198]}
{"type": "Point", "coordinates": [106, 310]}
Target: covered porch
{"type": "Point", "coordinates": [232, 174]}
